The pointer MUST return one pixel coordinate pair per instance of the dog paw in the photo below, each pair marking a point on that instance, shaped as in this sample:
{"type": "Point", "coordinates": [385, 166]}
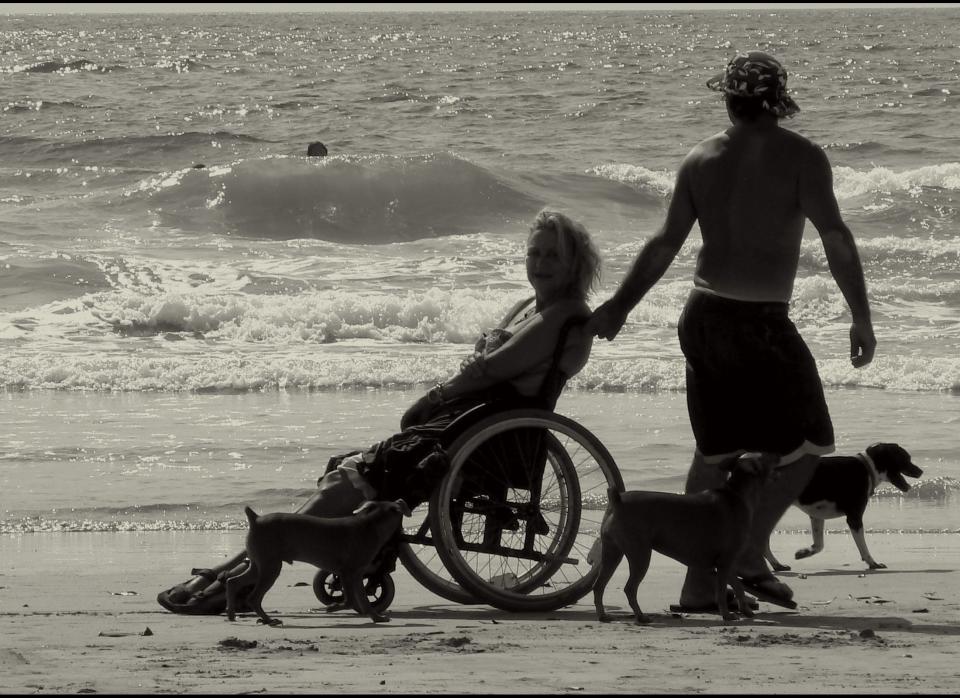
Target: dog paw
{"type": "Point", "coordinates": [380, 618]}
{"type": "Point", "coordinates": [604, 617]}
{"type": "Point", "coordinates": [805, 552]}
{"type": "Point", "coordinates": [877, 566]}
{"type": "Point", "coordinates": [730, 616]}
{"type": "Point", "coordinates": [780, 567]}
{"type": "Point", "coordinates": [643, 619]}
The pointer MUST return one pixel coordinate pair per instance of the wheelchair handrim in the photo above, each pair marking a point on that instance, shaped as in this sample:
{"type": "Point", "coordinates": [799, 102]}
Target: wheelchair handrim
{"type": "Point", "coordinates": [596, 463]}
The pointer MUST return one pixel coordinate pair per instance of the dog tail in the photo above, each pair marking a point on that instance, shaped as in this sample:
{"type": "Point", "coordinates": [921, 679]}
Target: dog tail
{"type": "Point", "coordinates": [613, 496]}
{"type": "Point", "coordinates": [252, 516]}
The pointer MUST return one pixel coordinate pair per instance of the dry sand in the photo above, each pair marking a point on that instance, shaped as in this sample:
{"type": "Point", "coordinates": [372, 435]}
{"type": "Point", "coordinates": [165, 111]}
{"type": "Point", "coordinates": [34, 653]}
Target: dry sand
{"type": "Point", "coordinates": [75, 610]}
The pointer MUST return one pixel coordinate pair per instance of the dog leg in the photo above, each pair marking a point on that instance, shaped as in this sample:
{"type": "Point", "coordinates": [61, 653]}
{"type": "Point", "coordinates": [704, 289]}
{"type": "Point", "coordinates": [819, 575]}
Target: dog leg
{"type": "Point", "coordinates": [268, 576]}
{"type": "Point", "coordinates": [856, 529]}
{"type": "Point", "coordinates": [724, 574]}
{"type": "Point", "coordinates": [356, 596]}
{"type": "Point", "coordinates": [249, 575]}
{"type": "Point", "coordinates": [610, 557]}
{"type": "Point", "coordinates": [741, 596]}
{"type": "Point", "coordinates": [816, 527]}
{"type": "Point", "coordinates": [639, 561]}
{"type": "Point", "coordinates": [774, 562]}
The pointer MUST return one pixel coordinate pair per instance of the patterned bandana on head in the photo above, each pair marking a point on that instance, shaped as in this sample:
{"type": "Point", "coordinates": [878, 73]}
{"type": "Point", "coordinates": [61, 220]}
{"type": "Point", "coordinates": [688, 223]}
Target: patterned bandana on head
{"type": "Point", "coordinates": [757, 74]}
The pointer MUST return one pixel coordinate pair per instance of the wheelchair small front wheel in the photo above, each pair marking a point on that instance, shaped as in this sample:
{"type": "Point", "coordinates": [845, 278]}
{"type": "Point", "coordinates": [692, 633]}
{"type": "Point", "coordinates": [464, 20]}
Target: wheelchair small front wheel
{"type": "Point", "coordinates": [327, 588]}
{"type": "Point", "coordinates": [379, 589]}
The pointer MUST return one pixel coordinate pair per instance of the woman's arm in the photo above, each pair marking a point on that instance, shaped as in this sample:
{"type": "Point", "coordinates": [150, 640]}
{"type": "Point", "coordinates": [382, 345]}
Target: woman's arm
{"type": "Point", "coordinates": [528, 349]}
{"type": "Point", "coordinates": [531, 347]}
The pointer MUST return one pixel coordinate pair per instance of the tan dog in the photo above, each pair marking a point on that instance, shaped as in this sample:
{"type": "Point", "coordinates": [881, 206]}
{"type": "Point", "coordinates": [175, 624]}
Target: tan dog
{"type": "Point", "coordinates": [707, 530]}
{"type": "Point", "coordinates": [345, 545]}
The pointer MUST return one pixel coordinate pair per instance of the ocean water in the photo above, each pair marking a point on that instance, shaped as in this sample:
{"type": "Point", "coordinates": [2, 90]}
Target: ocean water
{"type": "Point", "coordinates": [176, 342]}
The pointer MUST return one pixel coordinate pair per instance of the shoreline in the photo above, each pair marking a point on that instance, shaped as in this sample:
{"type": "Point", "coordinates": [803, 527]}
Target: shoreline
{"type": "Point", "coordinates": [76, 607]}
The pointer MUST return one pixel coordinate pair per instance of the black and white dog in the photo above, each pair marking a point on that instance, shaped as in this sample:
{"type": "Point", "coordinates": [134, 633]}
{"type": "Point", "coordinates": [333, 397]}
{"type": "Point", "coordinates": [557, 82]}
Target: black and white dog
{"type": "Point", "coordinates": [842, 486]}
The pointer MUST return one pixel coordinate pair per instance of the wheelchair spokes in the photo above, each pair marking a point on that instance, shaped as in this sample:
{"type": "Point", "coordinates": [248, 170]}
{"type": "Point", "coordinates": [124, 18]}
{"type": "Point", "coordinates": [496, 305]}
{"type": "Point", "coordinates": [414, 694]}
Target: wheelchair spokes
{"type": "Point", "coordinates": [517, 515]}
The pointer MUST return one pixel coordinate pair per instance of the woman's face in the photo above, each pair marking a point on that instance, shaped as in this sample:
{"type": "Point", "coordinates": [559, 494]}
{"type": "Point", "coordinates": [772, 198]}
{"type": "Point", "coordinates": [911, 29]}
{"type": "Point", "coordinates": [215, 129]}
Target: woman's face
{"type": "Point", "coordinates": [548, 269]}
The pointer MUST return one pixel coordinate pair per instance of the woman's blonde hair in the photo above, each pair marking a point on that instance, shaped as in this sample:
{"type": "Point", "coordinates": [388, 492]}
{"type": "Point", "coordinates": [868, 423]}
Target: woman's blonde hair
{"type": "Point", "coordinates": [575, 244]}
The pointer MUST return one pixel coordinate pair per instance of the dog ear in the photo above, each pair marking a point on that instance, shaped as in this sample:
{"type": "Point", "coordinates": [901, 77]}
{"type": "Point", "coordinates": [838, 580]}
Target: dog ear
{"type": "Point", "coordinates": [366, 506]}
{"type": "Point", "coordinates": [895, 461]}
{"type": "Point", "coordinates": [403, 507]}
{"type": "Point", "coordinates": [758, 462]}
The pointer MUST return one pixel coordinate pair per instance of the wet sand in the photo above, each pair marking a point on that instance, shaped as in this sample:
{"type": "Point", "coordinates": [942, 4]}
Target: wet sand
{"type": "Point", "coordinates": [79, 615]}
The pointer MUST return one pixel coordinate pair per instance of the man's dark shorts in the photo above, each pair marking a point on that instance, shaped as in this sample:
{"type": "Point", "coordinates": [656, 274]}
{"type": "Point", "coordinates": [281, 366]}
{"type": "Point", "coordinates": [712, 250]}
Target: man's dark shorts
{"type": "Point", "coordinates": [752, 383]}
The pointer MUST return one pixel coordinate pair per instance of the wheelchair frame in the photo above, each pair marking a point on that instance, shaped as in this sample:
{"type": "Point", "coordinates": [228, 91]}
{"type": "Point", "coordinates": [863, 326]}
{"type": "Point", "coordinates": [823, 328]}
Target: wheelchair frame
{"type": "Point", "coordinates": [514, 520]}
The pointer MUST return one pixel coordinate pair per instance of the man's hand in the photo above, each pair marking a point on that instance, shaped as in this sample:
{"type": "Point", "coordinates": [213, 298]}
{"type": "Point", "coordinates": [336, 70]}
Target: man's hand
{"type": "Point", "coordinates": [607, 320]}
{"type": "Point", "coordinates": [862, 344]}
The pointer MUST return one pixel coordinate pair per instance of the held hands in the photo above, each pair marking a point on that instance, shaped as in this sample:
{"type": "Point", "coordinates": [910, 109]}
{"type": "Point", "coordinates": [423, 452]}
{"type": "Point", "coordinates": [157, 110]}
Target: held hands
{"type": "Point", "coordinates": [607, 320]}
{"type": "Point", "coordinates": [862, 343]}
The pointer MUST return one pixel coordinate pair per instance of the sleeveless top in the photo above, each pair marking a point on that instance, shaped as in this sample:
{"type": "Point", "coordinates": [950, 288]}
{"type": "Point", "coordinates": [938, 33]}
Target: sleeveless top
{"type": "Point", "coordinates": [554, 379]}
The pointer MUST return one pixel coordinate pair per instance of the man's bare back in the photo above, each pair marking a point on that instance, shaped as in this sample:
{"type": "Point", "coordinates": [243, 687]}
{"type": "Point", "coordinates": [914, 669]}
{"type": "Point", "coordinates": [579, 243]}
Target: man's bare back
{"type": "Point", "coordinates": [750, 188]}
{"type": "Point", "coordinates": [745, 187]}
{"type": "Point", "coordinates": [752, 383]}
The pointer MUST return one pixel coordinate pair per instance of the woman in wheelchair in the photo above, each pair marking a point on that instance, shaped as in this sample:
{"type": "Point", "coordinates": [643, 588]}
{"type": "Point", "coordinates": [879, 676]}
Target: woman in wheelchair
{"type": "Point", "coordinates": [525, 361]}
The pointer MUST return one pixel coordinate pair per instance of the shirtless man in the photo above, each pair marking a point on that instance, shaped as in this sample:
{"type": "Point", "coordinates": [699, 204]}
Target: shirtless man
{"type": "Point", "coordinates": [752, 384]}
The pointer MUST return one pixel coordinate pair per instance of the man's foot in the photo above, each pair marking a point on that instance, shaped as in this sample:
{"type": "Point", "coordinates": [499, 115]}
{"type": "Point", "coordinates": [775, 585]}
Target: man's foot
{"type": "Point", "coordinates": [711, 606]}
{"type": "Point", "coordinates": [770, 589]}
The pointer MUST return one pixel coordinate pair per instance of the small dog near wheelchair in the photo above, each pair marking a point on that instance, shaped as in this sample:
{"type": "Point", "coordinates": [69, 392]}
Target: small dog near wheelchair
{"type": "Point", "coordinates": [704, 529]}
{"type": "Point", "coordinates": [842, 486]}
{"type": "Point", "coordinates": [344, 545]}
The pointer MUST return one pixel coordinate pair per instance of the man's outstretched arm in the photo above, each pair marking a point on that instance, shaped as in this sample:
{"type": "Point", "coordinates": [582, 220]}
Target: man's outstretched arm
{"type": "Point", "coordinates": [652, 262]}
{"type": "Point", "coordinates": [820, 206]}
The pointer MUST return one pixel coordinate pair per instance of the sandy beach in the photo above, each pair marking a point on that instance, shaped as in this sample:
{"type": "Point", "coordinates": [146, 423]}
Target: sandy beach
{"type": "Point", "coordinates": [195, 315]}
{"type": "Point", "coordinates": [79, 615]}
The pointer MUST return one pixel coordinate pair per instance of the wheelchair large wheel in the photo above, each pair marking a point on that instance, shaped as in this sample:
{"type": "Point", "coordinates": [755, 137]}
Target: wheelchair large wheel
{"type": "Point", "coordinates": [518, 514]}
{"type": "Point", "coordinates": [418, 555]}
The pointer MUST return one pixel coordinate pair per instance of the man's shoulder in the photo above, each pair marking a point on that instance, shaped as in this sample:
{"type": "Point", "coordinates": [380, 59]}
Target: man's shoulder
{"type": "Point", "coordinates": [703, 152]}
{"type": "Point", "coordinates": [797, 140]}
{"type": "Point", "coordinates": [809, 155]}
{"type": "Point", "coordinates": [709, 145]}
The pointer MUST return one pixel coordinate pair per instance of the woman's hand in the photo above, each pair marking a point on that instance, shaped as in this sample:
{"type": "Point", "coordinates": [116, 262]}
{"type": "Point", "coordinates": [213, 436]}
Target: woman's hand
{"type": "Point", "coordinates": [473, 365]}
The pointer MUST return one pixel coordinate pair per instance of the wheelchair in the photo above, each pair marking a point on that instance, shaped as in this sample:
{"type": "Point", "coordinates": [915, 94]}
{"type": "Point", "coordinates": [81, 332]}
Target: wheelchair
{"type": "Point", "coordinates": [513, 523]}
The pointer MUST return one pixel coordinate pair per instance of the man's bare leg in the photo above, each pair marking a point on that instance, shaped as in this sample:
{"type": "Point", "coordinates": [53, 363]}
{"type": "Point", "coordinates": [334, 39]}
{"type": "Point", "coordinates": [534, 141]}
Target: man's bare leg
{"type": "Point", "coordinates": [778, 496]}
{"type": "Point", "coordinates": [699, 586]}
{"type": "Point", "coordinates": [790, 480]}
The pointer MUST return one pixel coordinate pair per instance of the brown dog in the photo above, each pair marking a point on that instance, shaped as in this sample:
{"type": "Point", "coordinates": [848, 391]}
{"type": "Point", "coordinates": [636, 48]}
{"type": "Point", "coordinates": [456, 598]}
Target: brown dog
{"type": "Point", "coordinates": [707, 530]}
{"type": "Point", "coordinates": [345, 545]}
